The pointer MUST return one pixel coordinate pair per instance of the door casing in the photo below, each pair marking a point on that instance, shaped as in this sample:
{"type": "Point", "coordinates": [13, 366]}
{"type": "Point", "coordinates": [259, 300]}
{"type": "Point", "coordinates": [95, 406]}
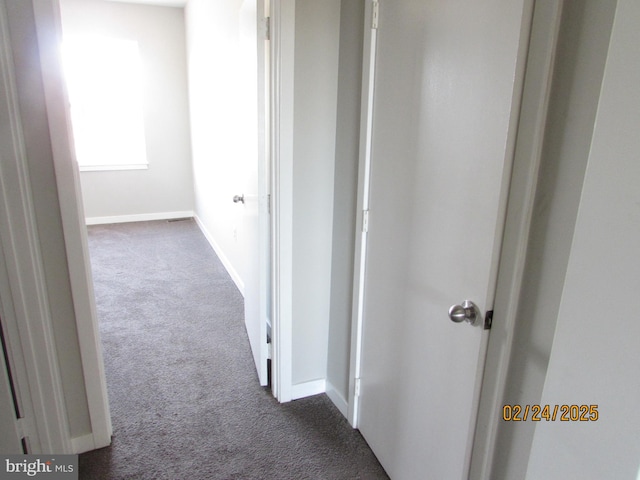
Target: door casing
{"type": "Point", "coordinates": [282, 78]}
{"type": "Point", "coordinates": [26, 316]}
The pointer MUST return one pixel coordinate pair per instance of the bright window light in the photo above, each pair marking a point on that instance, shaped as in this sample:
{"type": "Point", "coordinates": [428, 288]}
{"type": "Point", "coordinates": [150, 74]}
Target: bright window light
{"type": "Point", "coordinates": [104, 80]}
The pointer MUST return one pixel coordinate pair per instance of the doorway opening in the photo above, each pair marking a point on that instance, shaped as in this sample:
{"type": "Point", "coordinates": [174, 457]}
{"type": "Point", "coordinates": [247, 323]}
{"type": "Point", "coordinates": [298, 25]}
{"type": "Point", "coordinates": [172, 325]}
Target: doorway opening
{"type": "Point", "coordinates": [156, 67]}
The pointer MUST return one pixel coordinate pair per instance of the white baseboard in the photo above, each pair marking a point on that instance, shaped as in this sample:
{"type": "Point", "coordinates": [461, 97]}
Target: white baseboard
{"type": "Point", "coordinates": [143, 217]}
{"type": "Point", "coordinates": [308, 389]}
{"type": "Point", "coordinates": [337, 399]}
{"type": "Point", "coordinates": [223, 258]}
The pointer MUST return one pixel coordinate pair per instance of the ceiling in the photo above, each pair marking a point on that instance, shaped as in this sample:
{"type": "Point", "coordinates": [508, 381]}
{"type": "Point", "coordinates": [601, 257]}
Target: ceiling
{"type": "Point", "coordinates": [164, 3]}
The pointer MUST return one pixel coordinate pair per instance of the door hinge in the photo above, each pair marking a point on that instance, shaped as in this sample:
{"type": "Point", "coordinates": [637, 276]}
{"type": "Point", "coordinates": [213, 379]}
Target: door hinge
{"type": "Point", "coordinates": [267, 28]}
{"type": "Point", "coordinates": [357, 387]}
{"type": "Point", "coordinates": [375, 14]}
{"type": "Point", "coordinates": [269, 203]}
{"type": "Point", "coordinates": [488, 320]}
{"type": "Point", "coordinates": [365, 221]}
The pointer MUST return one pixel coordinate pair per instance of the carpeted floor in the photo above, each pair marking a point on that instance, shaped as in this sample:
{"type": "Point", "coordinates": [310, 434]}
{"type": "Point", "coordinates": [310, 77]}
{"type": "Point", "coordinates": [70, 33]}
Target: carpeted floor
{"type": "Point", "coordinates": [185, 399]}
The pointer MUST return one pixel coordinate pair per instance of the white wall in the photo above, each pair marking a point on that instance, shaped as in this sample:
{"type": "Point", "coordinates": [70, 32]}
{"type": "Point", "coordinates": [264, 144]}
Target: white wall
{"type": "Point", "coordinates": [595, 357]}
{"type": "Point", "coordinates": [345, 198]}
{"type": "Point", "coordinates": [317, 34]}
{"type": "Point", "coordinates": [166, 186]}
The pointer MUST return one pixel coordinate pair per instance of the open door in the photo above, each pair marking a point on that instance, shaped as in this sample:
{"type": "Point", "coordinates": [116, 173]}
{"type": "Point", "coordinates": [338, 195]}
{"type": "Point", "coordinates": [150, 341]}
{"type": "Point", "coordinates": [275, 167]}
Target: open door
{"type": "Point", "coordinates": [255, 197]}
{"type": "Point", "coordinates": [447, 90]}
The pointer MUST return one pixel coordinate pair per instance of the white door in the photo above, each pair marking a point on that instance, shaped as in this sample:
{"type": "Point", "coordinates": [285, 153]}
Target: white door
{"type": "Point", "coordinates": [446, 95]}
{"type": "Point", "coordinates": [255, 228]}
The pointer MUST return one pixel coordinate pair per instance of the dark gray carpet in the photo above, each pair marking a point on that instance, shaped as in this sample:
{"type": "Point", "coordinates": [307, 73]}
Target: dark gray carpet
{"type": "Point", "coordinates": [185, 398]}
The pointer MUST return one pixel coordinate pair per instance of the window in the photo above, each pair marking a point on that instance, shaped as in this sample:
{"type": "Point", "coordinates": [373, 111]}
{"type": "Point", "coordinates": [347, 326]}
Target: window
{"type": "Point", "coordinates": [104, 80]}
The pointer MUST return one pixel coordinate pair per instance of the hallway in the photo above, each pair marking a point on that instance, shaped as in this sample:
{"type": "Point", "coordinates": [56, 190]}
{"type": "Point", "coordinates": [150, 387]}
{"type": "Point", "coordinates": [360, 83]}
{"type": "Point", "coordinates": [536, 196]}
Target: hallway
{"type": "Point", "coordinates": [184, 397]}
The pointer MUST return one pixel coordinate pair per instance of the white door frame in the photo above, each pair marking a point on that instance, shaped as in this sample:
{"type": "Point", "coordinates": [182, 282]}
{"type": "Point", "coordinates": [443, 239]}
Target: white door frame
{"type": "Point", "coordinates": [540, 55]}
{"type": "Point", "coordinates": [364, 180]}
{"type": "Point", "coordinates": [49, 28]}
{"type": "Point", "coordinates": [37, 336]}
{"type": "Point", "coordinates": [282, 78]}
{"type": "Point", "coordinates": [26, 316]}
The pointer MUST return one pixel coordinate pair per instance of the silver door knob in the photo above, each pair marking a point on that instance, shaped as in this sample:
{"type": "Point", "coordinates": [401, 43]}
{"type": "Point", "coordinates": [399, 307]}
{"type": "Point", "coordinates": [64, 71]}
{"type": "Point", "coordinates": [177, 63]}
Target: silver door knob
{"type": "Point", "coordinates": [238, 198]}
{"type": "Point", "coordinates": [467, 312]}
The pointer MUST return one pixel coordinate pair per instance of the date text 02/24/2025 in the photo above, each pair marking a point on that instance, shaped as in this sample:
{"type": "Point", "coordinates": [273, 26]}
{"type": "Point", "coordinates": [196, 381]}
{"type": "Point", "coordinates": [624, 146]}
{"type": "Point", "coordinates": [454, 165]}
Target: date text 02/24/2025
{"type": "Point", "coordinates": [537, 413]}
